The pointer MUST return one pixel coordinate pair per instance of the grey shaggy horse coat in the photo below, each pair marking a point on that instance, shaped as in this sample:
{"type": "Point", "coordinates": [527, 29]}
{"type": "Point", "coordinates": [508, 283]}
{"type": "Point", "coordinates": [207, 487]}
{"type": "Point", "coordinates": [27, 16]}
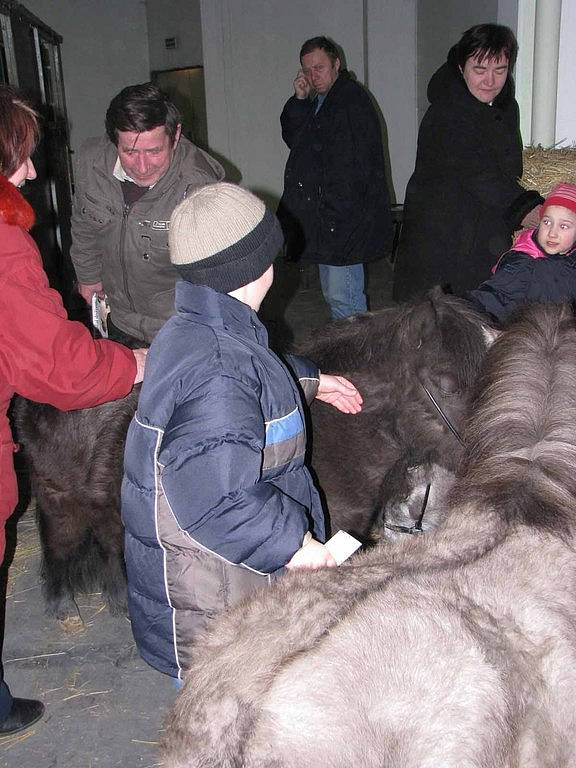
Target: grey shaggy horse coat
{"type": "Point", "coordinates": [457, 649]}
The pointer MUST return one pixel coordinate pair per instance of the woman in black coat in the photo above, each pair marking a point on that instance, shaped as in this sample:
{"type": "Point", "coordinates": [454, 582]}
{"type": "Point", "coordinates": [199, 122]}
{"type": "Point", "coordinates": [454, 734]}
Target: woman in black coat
{"type": "Point", "coordinates": [464, 200]}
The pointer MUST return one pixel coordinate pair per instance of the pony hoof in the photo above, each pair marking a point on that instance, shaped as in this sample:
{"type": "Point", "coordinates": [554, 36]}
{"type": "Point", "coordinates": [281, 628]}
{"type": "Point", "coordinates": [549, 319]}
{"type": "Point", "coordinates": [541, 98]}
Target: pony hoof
{"type": "Point", "coordinates": [72, 625]}
{"type": "Point", "coordinates": [63, 610]}
{"type": "Point", "coordinates": [118, 607]}
{"type": "Point", "coordinates": [117, 600]}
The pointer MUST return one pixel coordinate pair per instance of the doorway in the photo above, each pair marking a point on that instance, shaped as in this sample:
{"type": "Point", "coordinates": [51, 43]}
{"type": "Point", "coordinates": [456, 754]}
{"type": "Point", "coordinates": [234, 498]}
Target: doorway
{"type": "Point", "coordinates": [185, 87]}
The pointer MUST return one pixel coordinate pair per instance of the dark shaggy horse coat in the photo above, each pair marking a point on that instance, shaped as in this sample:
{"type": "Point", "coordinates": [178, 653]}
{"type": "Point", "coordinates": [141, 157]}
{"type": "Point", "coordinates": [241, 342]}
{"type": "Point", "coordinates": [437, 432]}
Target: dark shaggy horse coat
{"type": "Point", "coordinates": [365, 463]}
{"type": "Point", "coordinates": [398, 358]}
{"type": "Point", "coordinates": [456, 649]}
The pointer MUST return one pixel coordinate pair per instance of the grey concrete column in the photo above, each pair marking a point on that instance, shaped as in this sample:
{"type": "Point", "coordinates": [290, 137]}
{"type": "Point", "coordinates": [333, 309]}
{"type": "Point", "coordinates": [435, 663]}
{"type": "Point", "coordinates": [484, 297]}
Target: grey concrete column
{"type": "Point", "coordinates": [545, 79]}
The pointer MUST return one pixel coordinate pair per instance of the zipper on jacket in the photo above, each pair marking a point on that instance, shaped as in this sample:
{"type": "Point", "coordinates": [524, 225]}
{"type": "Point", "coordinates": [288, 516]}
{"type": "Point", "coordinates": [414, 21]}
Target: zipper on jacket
{"type": "Point", "coordinates": [122, 254]}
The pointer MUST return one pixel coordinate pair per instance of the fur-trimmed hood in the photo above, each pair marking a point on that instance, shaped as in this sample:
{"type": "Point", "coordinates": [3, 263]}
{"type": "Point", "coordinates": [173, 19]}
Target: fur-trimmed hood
{"type": "Point", "coordinates": [14, 208]}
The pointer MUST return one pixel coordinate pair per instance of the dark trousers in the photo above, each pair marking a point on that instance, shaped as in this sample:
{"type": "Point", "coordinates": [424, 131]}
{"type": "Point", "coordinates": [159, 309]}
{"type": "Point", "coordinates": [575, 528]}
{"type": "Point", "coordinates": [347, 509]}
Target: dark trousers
{"type": "Point", "coordinates": [115, 334]}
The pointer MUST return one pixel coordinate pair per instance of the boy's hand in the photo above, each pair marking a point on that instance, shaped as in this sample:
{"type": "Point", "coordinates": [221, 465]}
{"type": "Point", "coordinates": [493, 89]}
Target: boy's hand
{"type": "Point", "coordinates": [311, 555]}
{"type": "Point", "coordinates": [339, 392]}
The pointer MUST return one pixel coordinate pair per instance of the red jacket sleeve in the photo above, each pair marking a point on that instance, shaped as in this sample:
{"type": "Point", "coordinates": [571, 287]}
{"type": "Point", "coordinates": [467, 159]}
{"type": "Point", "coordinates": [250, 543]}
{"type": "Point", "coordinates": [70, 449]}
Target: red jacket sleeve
{"type": "Point", "coordinates": [43, 355]}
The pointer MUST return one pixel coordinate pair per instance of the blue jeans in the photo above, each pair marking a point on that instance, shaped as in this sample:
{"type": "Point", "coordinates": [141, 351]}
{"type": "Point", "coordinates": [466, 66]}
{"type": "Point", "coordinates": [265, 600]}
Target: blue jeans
{"type": "Point", "coordinates": [5, 700]}
{"type": "Point", "coordinates": [343, 289]}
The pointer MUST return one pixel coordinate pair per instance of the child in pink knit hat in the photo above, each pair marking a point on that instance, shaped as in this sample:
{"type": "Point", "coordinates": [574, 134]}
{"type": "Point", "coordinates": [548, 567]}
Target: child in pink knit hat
{"type": "Point", "coordinates": [541, 267]}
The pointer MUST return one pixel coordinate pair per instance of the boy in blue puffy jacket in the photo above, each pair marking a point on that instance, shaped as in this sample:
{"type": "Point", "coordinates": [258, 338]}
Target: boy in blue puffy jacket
{"type": "Point", "coordinates": [216, 497]}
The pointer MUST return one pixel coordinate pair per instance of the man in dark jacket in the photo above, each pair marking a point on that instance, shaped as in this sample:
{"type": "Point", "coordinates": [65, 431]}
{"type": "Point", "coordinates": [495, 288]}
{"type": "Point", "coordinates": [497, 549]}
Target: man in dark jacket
{"type": "Point", "coordinates": [464, 199]}
{"type": "Point", "coordinates": [335, 210]}
{"type": "Point", "coordinates": [127, 186]}
{"type": "Point", "coordinates": [216, 497]}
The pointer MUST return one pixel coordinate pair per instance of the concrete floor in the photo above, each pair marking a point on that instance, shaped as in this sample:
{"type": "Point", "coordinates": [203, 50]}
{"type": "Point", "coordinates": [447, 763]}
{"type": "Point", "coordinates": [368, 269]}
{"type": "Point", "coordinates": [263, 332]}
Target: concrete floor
{"type": "Point", "coordinates": [104, 705]}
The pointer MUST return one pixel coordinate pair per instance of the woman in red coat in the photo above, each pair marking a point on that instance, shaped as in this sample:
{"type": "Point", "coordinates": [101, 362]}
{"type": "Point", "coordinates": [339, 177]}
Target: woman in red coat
{"type": "Point", "coordinates": [43, 355]}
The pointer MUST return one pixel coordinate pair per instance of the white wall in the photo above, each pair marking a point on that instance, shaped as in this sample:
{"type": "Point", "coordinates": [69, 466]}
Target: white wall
{"type": "Point", "coordinates": [392, 80]}
{"type": "Point", "coordinates": [250, 54]}
{"type": "Point", "coordinates": [524, 66]}
{"type": "Point", "coordinates": [441, 24]}
{"type": "Point", "coordinates": [251, 58]}
{"type": "Point", "coordinates": [508, 13]}
{"type": "Point", "coordinates": [105, 47]}
{"type": "Point", "coordinates": [566, 105]}
{"type": "Point", "coordinates": [174, 18]}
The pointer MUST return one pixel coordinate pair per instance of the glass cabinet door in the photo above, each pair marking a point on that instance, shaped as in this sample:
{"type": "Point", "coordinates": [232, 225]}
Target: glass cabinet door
{"type": "Point", "coordinates": [30, 60]}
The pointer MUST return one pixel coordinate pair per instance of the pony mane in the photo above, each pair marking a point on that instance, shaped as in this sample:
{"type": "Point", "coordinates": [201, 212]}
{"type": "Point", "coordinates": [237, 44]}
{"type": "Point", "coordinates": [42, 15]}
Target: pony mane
{"type": "Point", "coordinates": [384, 339]}
{"type": "Point", "coordinates": [521, 432]}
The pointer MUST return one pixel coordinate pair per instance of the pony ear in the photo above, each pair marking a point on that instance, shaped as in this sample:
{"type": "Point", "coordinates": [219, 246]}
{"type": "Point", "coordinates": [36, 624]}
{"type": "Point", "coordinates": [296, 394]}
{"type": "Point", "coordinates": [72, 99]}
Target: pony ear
{"type": "Point", "coordinates": [424, 319]}
{"type": "Point", "coordinates": [437, 293]}
{"type": "Point", "coordinates": [490, 334]}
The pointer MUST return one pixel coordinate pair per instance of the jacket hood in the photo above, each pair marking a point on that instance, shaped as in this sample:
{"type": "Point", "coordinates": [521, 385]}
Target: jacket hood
{"type": "Point", "coordinates": [526, 242]}
{"type": "Point", "coordinates": [14, 208]}
{"type": "Point", "coordinates": [344, 76]}
{"type": "Point", "coordinates": [447, 84]}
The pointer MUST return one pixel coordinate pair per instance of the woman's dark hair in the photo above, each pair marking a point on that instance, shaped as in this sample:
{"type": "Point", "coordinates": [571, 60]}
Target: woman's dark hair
{"type": "Point", "coordinates": [487, 41]}
{"type": "Point", "coordinates": [324, 43]}
{"type": "Point", "coordinates": [139, 108]}
{"type": "Point", "coordinates": [19, 130]}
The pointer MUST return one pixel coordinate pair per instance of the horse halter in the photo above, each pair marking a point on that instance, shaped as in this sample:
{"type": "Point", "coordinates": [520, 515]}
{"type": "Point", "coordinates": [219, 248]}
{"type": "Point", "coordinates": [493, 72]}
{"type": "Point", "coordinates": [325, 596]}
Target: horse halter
{"type": "Point", "coordinates": [442, 415]}
{"type": "Point", "coordinates": [417, 527]}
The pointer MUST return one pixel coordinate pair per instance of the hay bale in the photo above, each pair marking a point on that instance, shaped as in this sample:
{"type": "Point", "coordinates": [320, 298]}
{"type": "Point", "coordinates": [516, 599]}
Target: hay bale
{"type": "Point", "coordinates": [544, 168]}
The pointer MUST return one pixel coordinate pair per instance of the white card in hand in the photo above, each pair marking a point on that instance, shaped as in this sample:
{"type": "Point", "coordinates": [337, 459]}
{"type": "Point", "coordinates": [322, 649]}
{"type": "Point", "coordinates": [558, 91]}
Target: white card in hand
{"type": "Point", "coordinates": [100, 312]}
{"type": "Point", "coordinates": [341, 546]}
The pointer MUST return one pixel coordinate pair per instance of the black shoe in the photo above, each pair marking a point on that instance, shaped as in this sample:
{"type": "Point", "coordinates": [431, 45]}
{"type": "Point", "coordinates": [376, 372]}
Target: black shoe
{"type": "Point", "coordinates": [24, 713]}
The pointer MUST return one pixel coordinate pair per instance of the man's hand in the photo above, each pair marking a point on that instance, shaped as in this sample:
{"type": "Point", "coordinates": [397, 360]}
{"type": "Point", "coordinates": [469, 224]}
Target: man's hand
{"type": "Point", "coordinates": [301, 86]}
{"type": "Point", "coordinates": [140, 357]}
{"type": "Point", "coordinates": [311, 555]}
{"type": "Point", "coordinates": [87, 289]}
{"type": "Point", "coordinates": [339, 392]}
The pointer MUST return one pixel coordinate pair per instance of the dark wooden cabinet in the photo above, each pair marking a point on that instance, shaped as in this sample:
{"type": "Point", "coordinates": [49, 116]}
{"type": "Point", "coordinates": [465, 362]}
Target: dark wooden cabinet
{"type": "Point", "coordinates": [30, 61]}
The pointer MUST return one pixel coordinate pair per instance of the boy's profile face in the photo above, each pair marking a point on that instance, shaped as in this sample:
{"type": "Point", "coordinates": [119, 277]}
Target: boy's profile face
{"type": "Point", "coordinates": [557, 230]}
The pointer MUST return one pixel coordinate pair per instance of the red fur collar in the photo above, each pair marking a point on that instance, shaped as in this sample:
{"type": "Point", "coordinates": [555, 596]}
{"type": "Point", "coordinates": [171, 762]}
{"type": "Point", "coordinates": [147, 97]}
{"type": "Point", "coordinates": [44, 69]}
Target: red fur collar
{"type": "Point", "coordinates": [14, 208]}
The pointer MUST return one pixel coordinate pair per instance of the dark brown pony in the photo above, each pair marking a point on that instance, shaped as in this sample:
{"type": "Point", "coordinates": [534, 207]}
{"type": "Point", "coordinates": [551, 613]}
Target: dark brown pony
{"type": "Point", "coordinates": [374, 462]}
{"type": "Point", "coordinates": [403, 359]}
{"type": "Point", "coordinates": [455, 649]}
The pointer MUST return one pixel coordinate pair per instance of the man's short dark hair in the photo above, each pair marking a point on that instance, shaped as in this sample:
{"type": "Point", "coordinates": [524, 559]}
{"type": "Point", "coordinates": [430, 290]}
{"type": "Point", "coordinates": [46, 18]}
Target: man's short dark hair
{"type": "Point", "coordinates": [487, 41]}
{"type": "Point", "coordinates": [324, 43]}
{"type": "Point", "coordinates": [140, 108]}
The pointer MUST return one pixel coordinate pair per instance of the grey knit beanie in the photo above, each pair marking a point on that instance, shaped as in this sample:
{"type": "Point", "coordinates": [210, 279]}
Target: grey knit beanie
{"type": "Point", "coordinates": [223, 236]}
